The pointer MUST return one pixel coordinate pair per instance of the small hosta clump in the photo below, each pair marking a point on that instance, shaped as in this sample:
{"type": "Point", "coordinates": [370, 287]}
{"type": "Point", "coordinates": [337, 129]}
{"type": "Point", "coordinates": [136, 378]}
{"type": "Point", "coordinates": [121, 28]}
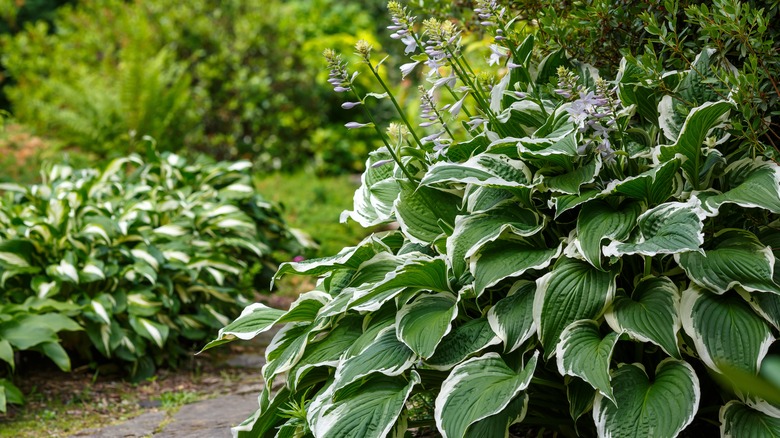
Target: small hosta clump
{"type": "Point", "coordinates": [566, 262]}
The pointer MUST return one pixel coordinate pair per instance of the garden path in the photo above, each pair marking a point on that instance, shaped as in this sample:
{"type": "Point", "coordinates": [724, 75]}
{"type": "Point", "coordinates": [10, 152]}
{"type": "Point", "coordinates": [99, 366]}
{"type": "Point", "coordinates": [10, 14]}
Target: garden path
{"type": "Point", "coordinates": [210, 418]}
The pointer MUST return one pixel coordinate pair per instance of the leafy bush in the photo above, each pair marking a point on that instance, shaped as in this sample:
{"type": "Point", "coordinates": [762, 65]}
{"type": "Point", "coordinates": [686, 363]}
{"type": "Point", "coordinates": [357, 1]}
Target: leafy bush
{"type": "Point", "coordinates": [231, 78]}
{"type": "Point", "coordinates": [147, 255]}
{"type": "Point", "coordinates": [577, 247]}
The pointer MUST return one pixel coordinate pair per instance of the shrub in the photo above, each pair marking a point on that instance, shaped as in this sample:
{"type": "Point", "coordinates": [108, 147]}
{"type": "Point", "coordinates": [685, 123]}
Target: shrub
{"type": "Point", "coordinates": [232, 79]}
{"type": "Point", "coordinates": [147, 255]}
{"type": "Point", "coordinates": [579, 254]}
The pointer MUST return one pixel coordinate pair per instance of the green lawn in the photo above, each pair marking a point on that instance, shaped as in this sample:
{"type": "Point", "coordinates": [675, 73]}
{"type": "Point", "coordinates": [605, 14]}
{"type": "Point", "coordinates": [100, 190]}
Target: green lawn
{"type": "Point", "coordinates": [313, 204]}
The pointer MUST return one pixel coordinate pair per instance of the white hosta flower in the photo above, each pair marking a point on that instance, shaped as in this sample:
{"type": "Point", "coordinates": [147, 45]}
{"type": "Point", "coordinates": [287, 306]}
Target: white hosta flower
{"type": "Point", "coordinates": [407, 68]}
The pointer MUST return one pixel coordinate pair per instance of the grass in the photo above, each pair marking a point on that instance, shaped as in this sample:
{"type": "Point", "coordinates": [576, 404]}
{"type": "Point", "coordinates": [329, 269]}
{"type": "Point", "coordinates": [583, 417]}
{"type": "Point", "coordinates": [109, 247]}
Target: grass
{"type": "Point", "coordinates": [314, 204]}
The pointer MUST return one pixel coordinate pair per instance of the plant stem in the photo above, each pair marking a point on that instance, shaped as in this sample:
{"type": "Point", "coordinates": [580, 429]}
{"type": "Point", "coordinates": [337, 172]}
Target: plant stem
{"type": "Point", "coordinates": [395, 103]}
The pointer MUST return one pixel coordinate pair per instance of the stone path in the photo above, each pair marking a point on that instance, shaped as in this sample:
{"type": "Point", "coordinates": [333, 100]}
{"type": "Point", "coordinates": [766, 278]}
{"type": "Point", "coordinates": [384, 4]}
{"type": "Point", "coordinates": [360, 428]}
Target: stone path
{"type": "Point", "coordinates": [210, 418]}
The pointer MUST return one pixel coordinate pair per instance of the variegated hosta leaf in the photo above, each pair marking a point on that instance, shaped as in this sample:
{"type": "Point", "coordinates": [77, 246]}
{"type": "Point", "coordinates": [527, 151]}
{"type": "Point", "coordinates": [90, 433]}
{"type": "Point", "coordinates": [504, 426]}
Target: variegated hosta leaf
{"type": "Point", "coordinates": [752, 183]}
{"type": "Point", "coordinates": [422, 324]}
{"type": "Point", "coordinates": [328, 350]}
{"type": "Point", "coordinates": [366, 409]}
{"type": "Point", "coordinates": [765, 304]}
{"type": "Point", "coordinates": [570, 183]}
{"type": "Point", "coordinates": [511, 318]}
{"type": "Point", "coordinates": [737, 258]}
{"type": "Point", "coordinates": [476, 389]}
{"type": "Point", "coordinates": [692, 135]}
{"type": "Point", "coordinates": [373, 201]}
{"type": "Point", "coordinates": [349, 258]}
{"type": "Point", "coordinates": [286, 348]}
{"type": "Point", "coordinates": [597, 221]}
{"type": "Point", "coordinates": [573, 290]}
{"type": "Point", "coordinates": [473, 231]}
{"type": "Point", "coordinates": [420, 209]}
{"type": "Point", "coordinates": [497, 425]}
{"type": "Point", "coordinates": [481, 198]}
{"type": "Point", "coordinates": [420, 272]}
{"type": "Point", "coordinates": [154, 331]}
{"type": "Point", "coordinates": [386, 355]}
{"type": "Point", "coordinates": [465, 340]}
{"type": "Point", "coordinates": [506, 259]}
{"type": "Point", "coordinates": [483, 169]}
{"type": "Point", "coordinates": [738, 420]}
{"type": "Point", "coordinates": [653, 186]}
{"type": "Point", "coordinates": [564, 203]}
{"type": "Point", "coordinates": [254, 319]}
{"type": "Point", "coordinates": [724, 329]}
{"type": "Point", "coordinates": [661, 408]}
{"type": "Point", "coordinates": [584, 353]}
{"type": "Point", "coordinates": [666, 229]}
{"type": "Point", "coordinates": [650, 314]}
{"type": "Point", "coordinates": [558, 151]}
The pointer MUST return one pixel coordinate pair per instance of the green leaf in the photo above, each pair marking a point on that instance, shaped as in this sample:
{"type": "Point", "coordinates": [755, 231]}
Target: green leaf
{"type": "Point", "coordinates": [724, 329]}
{"type": "Point", "coordinates": [564, 203]}
{"type": "Point", "coordinates": [505, 259]}
{"type": "Point", "coordinates": [692, 135]}
{"type": "Point", "coordinates": [9, 393]}
{"type": "Point", "coordinates": [476, 389]}
{"type": "Point", "coordinates": [573, 290]}
{"type": "Point", "coordinates": [423, 323]}
{"type": "Point", "coordinates": [584, 353]}
{"type": "Point", "coordinates": [55, 352]}
{"type": "Point", "coordinates": [419, 210]}
{"type": "Point", "coordinates": [347, 258]}
{"type": "Point", "coordinates": [484, 169]}
{"type": "Point", "coordinates": [328, 350]}
{"type": "Point", "coordinates": [737, 258]}
{"type": "Point", "coordinates": [465, 340]}
{"type": "Point", "coordinates": [473, 231]}
{"type": "Point", "coordinates": [650, 314]}
{"type": "Point", "coordinates": [751, 183]}
{"type": "Point", "coordinates": [669, 228]}
{"type": "Point", "coordinates": [15, 253]}
{"type": "Point", "coordinates": [597, 221]}
{"type": "Point", "coordinates": [363, 410]}
{"type": "Point", "coordinates": [25, 333]}
{"type": "Point", "coordinates": [662, 408]}
{"type": "Point", "coordinates": [7, 353]}
{"type": "Point", "coordinates": [153, 331]}
{"type": "Point", "coordinates": [570, 183]}
{"type": "Point", "coordinates": [511, 318]}
{"type": "Point", "coordinates": [580, 395]}
{"type": "Point", "coordinates": [738, 420]}
{"type": "Point", "coordinates": [386, 355]}
{"type": "Point", "coordinates": [285, 349]}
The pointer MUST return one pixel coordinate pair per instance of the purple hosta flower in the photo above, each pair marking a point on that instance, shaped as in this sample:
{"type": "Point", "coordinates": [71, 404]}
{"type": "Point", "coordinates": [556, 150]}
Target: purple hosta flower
{"type": "Point", "coordinates": [476, 121]}
{"type": "Point", "coordinates": [298, 259]}
{"type": "Point", "coordinates": [594, 114]}
{"type": "Point", "coordinates": [402, 26]}
{"type": "Point", "coordinates": [428, 108]}
{"type": "Point", "coordinates": [356, 125]}
{"type": "Point", "coordinates": [448, 81]}
{"type": "Point", "coordinates": [338, 77]}
{"type": "Point", "coordinates": [350, 105]}
{"type": "Point", "coordinates": [432, 137]}
{"type": "Point", "coordinates": [441, 42]}
{"type": "Point", "coordinates": [496, 53]}
{"type": "Point", "coordinates": [567, 83]}
{"type": "Point", "coordinates": [407, 68]}
{"type": "Point", "coordinates": [440, 148]}
{"type": "Point", "coordinates": [457, 106]}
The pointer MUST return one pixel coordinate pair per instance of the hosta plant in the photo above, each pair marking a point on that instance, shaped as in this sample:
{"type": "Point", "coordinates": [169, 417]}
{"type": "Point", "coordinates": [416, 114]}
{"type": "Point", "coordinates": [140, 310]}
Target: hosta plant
{"type": "Point", "coordinates": [574, 253]}
{"type": "Point", "coordinates": [149, 255]}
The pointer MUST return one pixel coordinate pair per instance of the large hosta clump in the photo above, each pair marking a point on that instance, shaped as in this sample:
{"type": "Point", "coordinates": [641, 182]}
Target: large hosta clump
{"type": "Point", "coordinates": [142, 258]}
{"type": "Point", "coordinates": [594, 259]}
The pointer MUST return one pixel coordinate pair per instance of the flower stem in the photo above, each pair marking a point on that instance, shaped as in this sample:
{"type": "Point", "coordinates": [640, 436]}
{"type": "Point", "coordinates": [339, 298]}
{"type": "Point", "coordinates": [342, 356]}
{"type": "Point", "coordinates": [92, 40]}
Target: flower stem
{"type": "Point", "coordinates": [395, 103]}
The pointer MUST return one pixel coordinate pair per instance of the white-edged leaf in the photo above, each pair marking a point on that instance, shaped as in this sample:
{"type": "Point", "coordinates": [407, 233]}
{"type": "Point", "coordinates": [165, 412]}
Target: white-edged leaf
{"type": "Point", "coordinates": [669, 228]}
{"type": "Point", "coordinates": [650, 314]}
{"type": "Point", "coordinates": [511, 318]}
{"type": "Point", "coordinates": [420, 209]}
{"type": "Point", "coordinates": [573, 290]}
{"type": "Point", "coordinates": [597, 221]}
{"type": "Point", "coordinates": [254, 319]}
{"type": "Point", "coordinates": [362, 410]}
{"type": "Point", "coordinates": [422, 323]}
{"type": "Point", "coordinates": [373, 200]}
{"type": "Point", "coordinates": [724, 329]}
{"type": "Point", "coordinates": [497, 425]}
{"type": "Point", "coordinates": [462, 342]}
{"type": "Point", "coordinates": [473, 231]}
{"type": "Point", "coordinates": [476, 389]}
{"type": "Point", "coordinates": [154, 331]}
{"type": "Point", "coordinates": [653, 186]}
{"type": "Point", "coordinates": [482, 169]}
{"type": "Point", "coordinates": [737, 258]}
{"type": "Point", "coordinates": [661, 408]}
{"type": "Point", "coordinates": [583, 352]}
{"type": "Point", "coordinates": [386, 355]}
{"type": "Point", "coordinates": [505, 259]}
{"type": "Point", "coordinates": [752, 183]}
{"type": "Point", "coordinates": [738, 420]}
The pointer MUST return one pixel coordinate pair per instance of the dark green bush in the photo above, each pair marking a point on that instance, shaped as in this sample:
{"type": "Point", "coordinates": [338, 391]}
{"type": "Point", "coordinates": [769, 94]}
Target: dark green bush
{"type": "Point", "coordinates": [233, 78]}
